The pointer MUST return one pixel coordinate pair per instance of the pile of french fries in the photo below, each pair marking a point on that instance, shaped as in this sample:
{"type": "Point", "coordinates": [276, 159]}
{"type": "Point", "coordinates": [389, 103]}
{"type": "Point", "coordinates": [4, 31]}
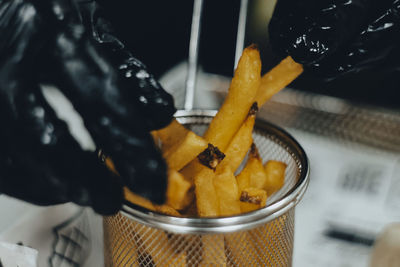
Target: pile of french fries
{"type": "Point", "coordinates": [204, 179]}
{"type": "Point", "coordinates": [202, 175]}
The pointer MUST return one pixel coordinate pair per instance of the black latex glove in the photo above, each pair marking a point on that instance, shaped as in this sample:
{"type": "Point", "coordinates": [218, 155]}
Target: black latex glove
{"type": "Point", "coordinates": [337, 37]}
{"type": "Point", "coordinates": [120, 102]}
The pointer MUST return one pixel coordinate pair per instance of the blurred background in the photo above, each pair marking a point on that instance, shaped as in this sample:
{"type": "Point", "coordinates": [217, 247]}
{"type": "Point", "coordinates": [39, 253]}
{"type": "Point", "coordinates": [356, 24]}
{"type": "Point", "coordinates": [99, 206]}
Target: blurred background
{"type": "Point", "coordinates": [160, 33]}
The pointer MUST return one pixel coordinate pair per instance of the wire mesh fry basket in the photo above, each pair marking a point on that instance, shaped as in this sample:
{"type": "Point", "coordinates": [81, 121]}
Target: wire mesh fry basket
{"type": "Point", "coordinates": [137, 237]}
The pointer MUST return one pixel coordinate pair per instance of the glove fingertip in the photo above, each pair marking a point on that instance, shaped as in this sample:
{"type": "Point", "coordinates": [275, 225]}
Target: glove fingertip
{"type": "Point", "coordinates": [147, 177]}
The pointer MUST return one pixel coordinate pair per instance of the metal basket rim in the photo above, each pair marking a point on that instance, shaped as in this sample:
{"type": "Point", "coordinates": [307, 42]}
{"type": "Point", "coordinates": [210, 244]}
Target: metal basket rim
{"type": "Point", "coordinates": [239, 222]}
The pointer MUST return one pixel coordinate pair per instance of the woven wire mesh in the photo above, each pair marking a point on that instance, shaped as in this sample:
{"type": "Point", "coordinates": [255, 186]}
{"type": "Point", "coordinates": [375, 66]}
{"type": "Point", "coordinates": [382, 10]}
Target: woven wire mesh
{"type": "Point", "coordinates": [131, 243]}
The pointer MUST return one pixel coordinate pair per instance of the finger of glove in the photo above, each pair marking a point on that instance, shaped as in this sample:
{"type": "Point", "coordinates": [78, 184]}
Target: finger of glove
{"type": "Point", "coordinates": [25, 179]}
{"type": "Point", "coordinates": [21, 38]}
{"type": "Point", "coordinates": [137, 83]}
{"type": "Point", "coordinates": [136, 158]}
{"type": "Point", "coordinates": [312, 29]}
{"type": "Point", "coordinates": [116, 127]}
{"type": "Point", "coordinates": [86, 74]}
{"type": "Point", "coordinates": [376, 47]}
{"type": "Point", "coordinates": [45, 138]}
{"type": "Point", "coordinates": [92, 84]}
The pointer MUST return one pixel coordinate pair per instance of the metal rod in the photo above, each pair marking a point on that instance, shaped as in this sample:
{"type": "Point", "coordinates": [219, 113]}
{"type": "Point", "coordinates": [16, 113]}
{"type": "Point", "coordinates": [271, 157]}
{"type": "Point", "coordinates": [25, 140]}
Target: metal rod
{"type": "Point", "coordinates": [193, 55]}
{"type": "Point", "coordinates": [241, 31]}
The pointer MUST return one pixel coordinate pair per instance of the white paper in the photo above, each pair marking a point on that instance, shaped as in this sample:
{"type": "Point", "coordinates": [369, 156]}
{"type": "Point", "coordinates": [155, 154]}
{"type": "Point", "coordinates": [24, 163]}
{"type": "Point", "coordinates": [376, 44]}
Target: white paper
{"type": "Point", "coordinates": [12, 255]}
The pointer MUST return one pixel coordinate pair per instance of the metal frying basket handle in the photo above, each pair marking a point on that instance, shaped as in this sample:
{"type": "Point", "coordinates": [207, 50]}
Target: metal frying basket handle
{"type": "Point", "coordinates": [192, 66]}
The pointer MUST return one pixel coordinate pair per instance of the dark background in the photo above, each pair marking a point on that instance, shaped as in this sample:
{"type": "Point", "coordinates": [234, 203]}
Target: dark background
{"type": "Point", "coordinates": [157, 32]}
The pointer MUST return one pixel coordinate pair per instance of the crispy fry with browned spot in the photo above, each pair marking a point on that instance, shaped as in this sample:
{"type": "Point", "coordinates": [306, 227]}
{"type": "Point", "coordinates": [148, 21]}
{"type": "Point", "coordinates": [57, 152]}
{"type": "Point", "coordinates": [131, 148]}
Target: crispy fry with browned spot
{"type": "Point", "coordinates": [241, 142]}
{"type": "Point", "coordinates": [252, 199]}
{"type": "Point", "coordinates": [241, 95]}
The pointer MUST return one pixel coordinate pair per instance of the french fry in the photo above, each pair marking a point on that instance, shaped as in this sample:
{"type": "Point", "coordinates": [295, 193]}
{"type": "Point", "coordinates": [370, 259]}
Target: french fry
{"type": "Point", "coordinates": [243, 179]}
{"type": "Point", "coordinates": [171, 135]}
{"type": "Point", "coordinates": [184, 151]}
{"type": "Point", "coordinates": [227, 192]}
{"type": "Point", "coordinates": [177, 190]}
{"type": "Point", "coordinates": [258, 177]}
{"type": "Point", "coordinates": [241, 94]}
{"type": "Point", "coordinates": [241, 142]}
{"type": "Point", "coordinates": [206, 196]}
{"type": "Point", "coordinates": [277, 78]}
{"type": "Point", "coordinates": [210, 158]}
{"type": "Point", "coordinates": [189, 172]}
{"type": "Point", "coordinates": [145, 203]}
{"type": "Point", "coordinates": [252, 199]}
{"type": "Point", "coordinates": [275, 171]}
{"type": "Point", "coordinates": [167, 210]}
{"type": "Point", "coordinates": [253, 173]}
{"type": "Point", "coordinates": [191, 209]}
{"type": "Point", "coordinates": [138, 200]}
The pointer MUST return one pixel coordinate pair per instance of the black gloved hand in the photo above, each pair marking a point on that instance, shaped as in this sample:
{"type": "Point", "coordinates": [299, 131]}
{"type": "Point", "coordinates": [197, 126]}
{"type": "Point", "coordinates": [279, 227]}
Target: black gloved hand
{"type": "Point", "coordinates": [119, 101]}
{"type": "Point", "coordinates": [337, 37]}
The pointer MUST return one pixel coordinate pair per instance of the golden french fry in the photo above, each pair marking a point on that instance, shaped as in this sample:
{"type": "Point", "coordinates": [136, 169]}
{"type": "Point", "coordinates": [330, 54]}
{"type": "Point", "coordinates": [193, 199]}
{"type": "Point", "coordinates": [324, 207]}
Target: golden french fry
{"type": "Point", "coordinates": [253, 173]}
{"type": "Point", "coordinates": [227, 192]}
{"type": "Point", "coordinates": [138, 200]}
{"type": "Point", "coordinates": [258, 177]}
{"type": "Point", "coordinates": [213, 250]}
{"type": "Point", "coordinates": [191, 209]}
{"type": "Point", "coordinates": [243, 179]}
{"type": "Point", "coordinates": [209, 158]}
{"type": "Point", "coordinates": [177, 190]}
{"type": "Point", "coordinates": [240, 144]}
{"type": "Point", "coordinates": [275, 171]}
{"type": "Point", "coordinates": [277, 78]}
{"type": "Point", "coordinates": [190, 170]}
{"type": "Point", "coordinates": [206, 197]}
{"type": "Point", "coordinates": [252, 199]}
{"type": "Point", "coordinates": [145, 203]}
{"type": "Point", "coordinates": [167, 210]}
{"type": "Point", "coordinates": [171, 135]}
{"type": "Point", "coordinates": [242, 91]}
{"type": "Point", "coordinates": [184, 151]}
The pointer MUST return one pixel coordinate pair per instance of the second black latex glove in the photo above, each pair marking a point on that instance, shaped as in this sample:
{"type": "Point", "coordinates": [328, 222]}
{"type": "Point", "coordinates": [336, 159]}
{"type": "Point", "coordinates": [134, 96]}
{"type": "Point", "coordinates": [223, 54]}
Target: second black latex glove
{"type": "Point", "coordinates": [119, 101]}
{"type": "Point", "coordinates": [338, 37]}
